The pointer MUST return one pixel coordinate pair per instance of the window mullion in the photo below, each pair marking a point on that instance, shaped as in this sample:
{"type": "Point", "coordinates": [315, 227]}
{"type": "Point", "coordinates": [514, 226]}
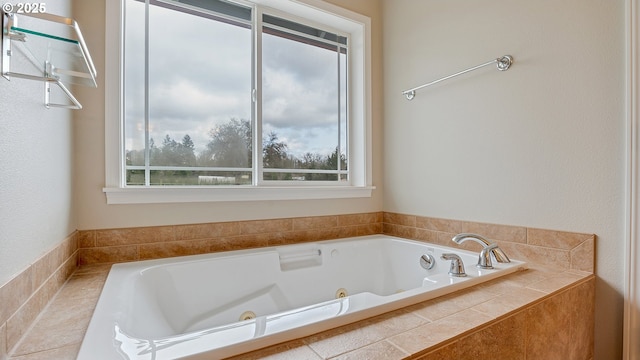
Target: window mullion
{"type": "Point", "coordinates": [257, 96]}
{"type": "Point", "coordinates": [338, 149]}
{"type": "Point", "coordinates": [147, 150]}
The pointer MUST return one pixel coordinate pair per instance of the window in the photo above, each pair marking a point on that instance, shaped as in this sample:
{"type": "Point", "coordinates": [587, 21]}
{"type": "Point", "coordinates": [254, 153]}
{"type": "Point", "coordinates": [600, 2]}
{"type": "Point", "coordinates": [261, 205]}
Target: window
{"type": "Point", "coordinates": [222, 100]}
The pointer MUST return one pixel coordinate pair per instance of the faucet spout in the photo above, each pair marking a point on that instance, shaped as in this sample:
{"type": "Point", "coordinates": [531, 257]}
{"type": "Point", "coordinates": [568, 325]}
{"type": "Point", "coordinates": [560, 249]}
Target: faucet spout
{"type": "Point", "coordinates": [489, 249]}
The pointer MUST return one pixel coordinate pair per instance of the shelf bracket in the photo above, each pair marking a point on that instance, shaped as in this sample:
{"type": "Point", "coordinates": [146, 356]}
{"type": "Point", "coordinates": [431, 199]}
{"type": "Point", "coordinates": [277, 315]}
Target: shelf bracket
{"type": "Point", "coordinates": [5, 46]}
{"type": "Point", "coordinates": [50, 74]}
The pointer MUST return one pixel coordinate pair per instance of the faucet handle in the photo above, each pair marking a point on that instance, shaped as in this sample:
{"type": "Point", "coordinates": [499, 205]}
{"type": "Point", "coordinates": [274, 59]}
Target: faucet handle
{"type": "Point", "coordinates": [457, 266]}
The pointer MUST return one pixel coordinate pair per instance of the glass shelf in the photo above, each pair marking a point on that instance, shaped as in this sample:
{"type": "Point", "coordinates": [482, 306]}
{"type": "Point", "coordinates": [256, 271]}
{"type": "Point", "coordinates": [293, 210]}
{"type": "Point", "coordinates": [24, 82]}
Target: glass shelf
{"type": "Point", "coordinates": [47, 48]}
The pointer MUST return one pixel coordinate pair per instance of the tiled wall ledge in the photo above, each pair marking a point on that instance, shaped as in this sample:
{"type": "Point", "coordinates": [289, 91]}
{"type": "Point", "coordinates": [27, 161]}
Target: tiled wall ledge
{"type": "Point", "coordinates": [26, 295]}
{"type": "Point", "coordinates": [120, 245]}
{"type": "Point", "coordinates": [547, 248]}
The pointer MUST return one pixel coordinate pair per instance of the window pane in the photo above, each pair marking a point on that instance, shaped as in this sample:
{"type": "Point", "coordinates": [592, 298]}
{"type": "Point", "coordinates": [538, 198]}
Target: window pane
{"type": "Point", "coordinates": [199, 90]}
{"type": "Point", "coordinates": [188, 109]}
{"type": "Point", "coordinates": [304, 101]}
{"type": "Point", "coordinates": [199, 80]}
{"type": "Point", "coordinates": [134, 84]}
{"type": "Point", "coordinates": [189, 177]}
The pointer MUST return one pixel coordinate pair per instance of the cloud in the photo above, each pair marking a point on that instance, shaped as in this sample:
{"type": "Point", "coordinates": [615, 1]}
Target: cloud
{"type": "Point", "coordinates": [299, 84]}
{"type": "Point", "coordinates": [200, 76]}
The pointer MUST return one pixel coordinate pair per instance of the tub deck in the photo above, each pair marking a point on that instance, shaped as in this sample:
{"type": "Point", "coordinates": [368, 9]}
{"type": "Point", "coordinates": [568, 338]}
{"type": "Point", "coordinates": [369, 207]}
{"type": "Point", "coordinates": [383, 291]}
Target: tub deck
{"type": "Point", "coordinates": [495, 308]}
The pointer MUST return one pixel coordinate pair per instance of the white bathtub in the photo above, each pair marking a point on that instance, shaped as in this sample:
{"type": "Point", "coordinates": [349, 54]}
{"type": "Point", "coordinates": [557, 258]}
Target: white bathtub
{"type": "Point", "coordinates": [191, 306]}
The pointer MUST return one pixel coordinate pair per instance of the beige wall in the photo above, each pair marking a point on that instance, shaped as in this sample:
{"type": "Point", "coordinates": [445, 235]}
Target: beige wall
{"type": "Point", "coordinates": [94, 213]}
{"type": "Point", "coordinates": [36, 195]}
{"type": "Point", "coordinates": [540, 145]}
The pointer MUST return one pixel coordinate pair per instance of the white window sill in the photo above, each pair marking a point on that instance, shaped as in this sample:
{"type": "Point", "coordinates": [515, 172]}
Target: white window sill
{"type": "Point", "coordinates": [156, 195]}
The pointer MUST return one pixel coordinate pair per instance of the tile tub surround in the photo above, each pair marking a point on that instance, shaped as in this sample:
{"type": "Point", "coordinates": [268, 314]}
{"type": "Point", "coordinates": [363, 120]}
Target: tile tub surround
{"type": "Point", "coordinates": [520, 316]}
{"type": "Point", "coordinates": [121, 245]}
{"type": "Point", "coordinates": [553, 250]}
{"type": "Point", "coordinates": [548, 248]}
{"type": "Point", "coordinates": [24, 297]}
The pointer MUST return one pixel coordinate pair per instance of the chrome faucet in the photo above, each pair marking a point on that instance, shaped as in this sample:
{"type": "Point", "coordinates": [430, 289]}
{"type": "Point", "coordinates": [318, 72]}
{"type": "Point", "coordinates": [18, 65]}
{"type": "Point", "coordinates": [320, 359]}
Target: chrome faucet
{"type": "Point", "coordinates": [489, 249]}
{"type": "Point", "coordinates": [457, 266]}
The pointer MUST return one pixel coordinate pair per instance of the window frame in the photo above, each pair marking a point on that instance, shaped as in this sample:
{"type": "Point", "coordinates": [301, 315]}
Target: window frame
{"type": "Point", "coordinates": [359, 134]}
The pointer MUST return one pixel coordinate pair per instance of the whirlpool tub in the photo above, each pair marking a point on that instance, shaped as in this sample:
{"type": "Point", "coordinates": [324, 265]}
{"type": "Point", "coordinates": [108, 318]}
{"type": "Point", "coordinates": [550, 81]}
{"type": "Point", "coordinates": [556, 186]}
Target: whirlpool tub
{"type": "Point", "coordinates": [218, 305]}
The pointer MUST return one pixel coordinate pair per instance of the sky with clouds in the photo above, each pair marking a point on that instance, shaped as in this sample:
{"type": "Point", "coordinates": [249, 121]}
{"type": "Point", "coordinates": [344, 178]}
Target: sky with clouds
{"type": "Point", "coordinates": [200, 77]}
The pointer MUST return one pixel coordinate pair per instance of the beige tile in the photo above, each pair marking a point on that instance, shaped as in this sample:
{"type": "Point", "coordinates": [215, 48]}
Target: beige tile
{"type": "Point", "coordinates": [407, 232]}
{"type": "Point", "coordinates": [432, 334]}
{"type": "Point", "coordinates": [442, 225]}
{"type": "Point", "coordinates": [548, 329]}
{"type": "Point", "coordinates": [447, 305]}
{"type": "Point", "coordinates": [447, 352]}
{"type": "Point", "coordinates": [524, 278]}
{"type": "Point", "coordinates": [45, 266]}
{"type": "Point", "coordinates": [67, 333]}
{"type": "Point", "coordinates": [538, 256]}
{"type": "Point", "coordinates": [504, 340]}
{"type": "Point", "coordinates": [315, 222]}
{"type": "Point", "coordinates": [512, 283]}
{"type": "Point", "coordinates": [67, 316]}
{"type": "Point", "coordinates": [354, 336]}
{"type": "Point", "coordinates": [3, 342]}
{"type": "Point", "coordinates": [15, 293]}
{"type": "Point", "coordinates": [509, 302]}
{"type": "Point", "coordinates": [71, 265]}
{"type": "Point", "coordinates": [131, 236]}
{"type": "Point", "coordinates": [69, 352]}
{"type": "Point", "coordinates": [293, 350]}
{"type": "Point", "coordinates": [316, 234]}
{"type": "Point", "coordinates": [500, 233]}
{"type": "Point", "coordinates": [360, 230]}
{"type": "Point", "coordinates": [82, 287]}
{"type": "Point", "coordinates": [93, 269]}
{"type": "Point", "coordinates": [382, 350]}
{"type": "Point", "coordinates": [500, 286]}
{"type": "Point", "coordinates": [277, 238]}
{"type": "Point", "coordinates": [556, 239]}
{"type": "Point", "coordinates": [429, 236]}
{"type": "Point", "coordinates": [111, 254]}
{"type": "Point", "coordinates": [360, 219]}
{"type": "Point", "coordinates": [173, 248]}
{"type": "Point", "coordinates": [399, 219]}
{"type": "Point", "coordinates": [19, 323]}
{"type": "Point", "coordinates": [240, 242]}
{"type": "Point", "coordinates": [582, 298]}
{"type": "Point", "coordinates": [556, 282]}
{"type": "Point", "coordinates": [49, 289]}
{"type": "Point", "coordinates": [351, 231]}
{"type": "Point", "coordinates": [445, 239]}
{"type": "Point", "coordinates": [265, 226]}
{"type": "Point", "coordinates": [583, 256]}
{"type": "Point", "coordinates": [72, 245]}
{"type": "Point", "coordinates": [87, 238]}
{"type": "Point", "coordinates": [207, 231]}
